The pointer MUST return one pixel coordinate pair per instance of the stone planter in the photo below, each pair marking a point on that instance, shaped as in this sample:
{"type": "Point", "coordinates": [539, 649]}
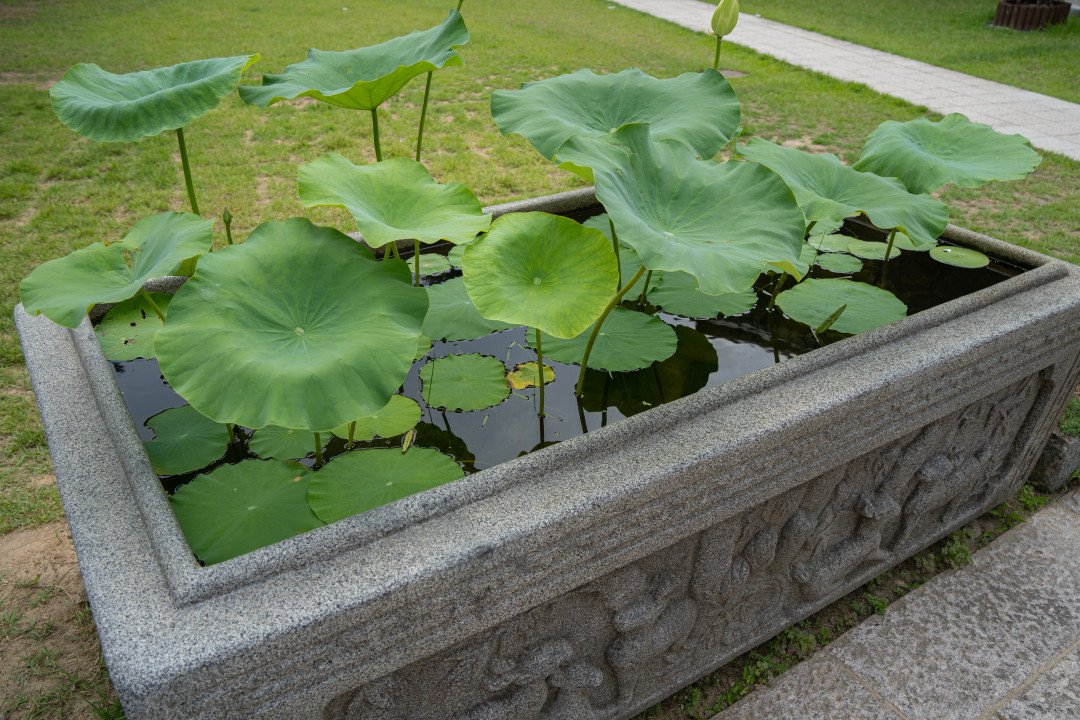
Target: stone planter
{"type": "Point", "coordinates": [1028, 15]}
{"type": "Point", "coordinates": [589, 579]}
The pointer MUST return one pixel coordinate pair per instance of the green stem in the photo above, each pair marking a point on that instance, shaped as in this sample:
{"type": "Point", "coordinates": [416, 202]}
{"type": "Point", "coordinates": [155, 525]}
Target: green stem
{"type": "Point", "coordinates": [416, 262]}
{"type": "Point", "coordinates": [600, 321]}
{"type": "Point", "coordinates": [318, 449]}
{"type": "Point", "coordinates": [885, 265]}
{"type": "Point", "coordinates": [153, 305]}
{"type": "Point", "coordinates": [540, 363]}
{"type": "Point", "coordinates": [716, 60]}
{"type": "Point", "coordinates": [644, 290]}
{"type": "Point", "coordinates": [375, 133]}
{"type": "Point", "coordinates": [776, 289]}
{"type": "Point", "coordinates": [459, 2]}
{"type": "Point", "coordinates": [809, 228]}
{"type": "Point", "coordinates": [187, 171]}
{"type": "Point", "coordinates": [615, 247]}
{"type": "Point", "coordinates": [228, 231]}
{"type": "Point", "coordinates": [423, 116]}
{"type": "Point", "coordinates": [394, 250]}
{"type": "Point", "coordinates": [352, 432]}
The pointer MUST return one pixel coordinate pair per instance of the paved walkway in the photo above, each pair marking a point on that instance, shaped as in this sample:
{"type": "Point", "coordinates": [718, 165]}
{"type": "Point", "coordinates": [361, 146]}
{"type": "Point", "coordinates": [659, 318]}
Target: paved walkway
{"type": "Point", "coordinates": [1049, 123]}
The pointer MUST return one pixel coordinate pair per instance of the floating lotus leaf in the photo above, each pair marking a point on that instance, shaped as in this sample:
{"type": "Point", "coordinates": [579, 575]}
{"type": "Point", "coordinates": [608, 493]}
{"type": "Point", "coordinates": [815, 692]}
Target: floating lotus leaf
{"type": "Point", "coordinates": [454, 256]}
{"type": "Point", "coordinates": [834, 243]}
{"type": "Point", "coordinates": [282, 443]}
{"type": "Point", "coordinates": [452, 316]}
{"type": "Point", "coordinates": [393, 200]}
{"type": "Point", "coordinates": [871, 250]}
{"type": "Point", "coordinates": [928, 155]}
{"type": "Point", "coordinates": [697, 109]}
{"type": "Point", "coordinates": [65, 288]}
{"type": "Point", "coordinates": [184, 440]}
{"type": "Point", "coordinates": [365, 78]}
{"type": "Point", "coordinates": [317, 332]}
{"type": "Point", "coordinates": [628, 340]}
{"type": "Point", "coordinates": [239, 508]}
{"type": "Point", "coordinates": [718, 222]}
{"type": "Point", "coordinates": [127, 331]}
{"type": "Point", "coordinates": [828, 191]}
{"type": "Point", "coordinates": [121, 108]}
{"type": "Point", "coordinates": [959, 256]}
{"type": "Point", "coordinates": [399, 416]}
{"type": "Point", "coordinates": [464, 382]}
{"type": "Point", "coordinates": [813, 301]}
{"type": "Point", "coordinates": [840, 263]}
{"type": "Point", "coordinates": [543, 271]}
{"type": "Point", "coordinates": [678, 293]}
{"type": "Point", "coordinates": [433, 264]}
{"type": "Point", "coordinates": [366, 479]}
{"type": "Point", "coordinates": [528, 375]}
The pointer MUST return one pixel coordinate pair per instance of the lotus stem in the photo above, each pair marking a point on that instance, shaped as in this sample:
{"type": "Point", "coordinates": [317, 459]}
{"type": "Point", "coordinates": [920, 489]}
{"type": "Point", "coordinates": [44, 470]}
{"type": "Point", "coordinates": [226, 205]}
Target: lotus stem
{"type": "Point", "coordinates": [776, 289]}
{"type": "Point", "coordinates": [227, 218]}
{"type": "Point", "coordinates": [187, 171]}
{"type": "Point", "coordinates": [540, 369]}
{"type": "Point", "coordinates": [416, 262]}
{"type": "Point", "coordinates": [153, 305]}
{"type": "Point", "coordinates": [644, 290]}
{"type": "Point", "coordinates": [375, 133]}
{"type": "Point", "coordinates": [809, 228]}
{"type": "Point", "coordinates": [318, 449]}
{"type": "Point", "coordinates": [459, 3]}
{"type": "Point", "coordinates": [352, 432]}
{"type": "Point", "coordinates": [716, 60]}
{"type": "Point", "coordinates": [615, 247]}
{"type": "Point", "coordinates": [423, 115]}
{"type": "Point", "coordinates": [600, 321]}
{"type": "Point", "coordinates": [885, 265]}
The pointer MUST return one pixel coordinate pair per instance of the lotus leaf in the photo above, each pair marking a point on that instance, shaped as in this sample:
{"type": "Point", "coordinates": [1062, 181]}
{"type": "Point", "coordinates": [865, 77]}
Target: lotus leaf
{"type": "Point", "coordinates": [629, 262]}
{"type": "Point", "coordinates": [834, 243]}
{"type": "Point", "coordinates": [127, 331]}
{"type": "Point", "coordinates": [121, 108]}
{"type": "Point", "coordinates": [400, 415]}
{"type": "Point", "coordinates": [393, 200]}
{"type": "Point", "coordinates": [366, 479]}
{"type": "Point", "coordinates": [454, 256]}
{"type": "Point", "coordinates": [239, 508]}
{"type": "Point", "coordinates": [433, 264]}
{"type": "Point", "coordinates": [452, 316]}
{"type": "Point", "coordinates": [720, 222]}
{"type": "Point", "coordinates": [543, 271]}
{"type": "Point", "coordinates": [928, 155]}
{"type": "Point", "coordinates": [464, 382]}
{"type": "Point", "coordinates": [699, 110]}
{"type": "Point", "coordinates": [872, 250]}
{"type": "Point", "coordinates": [184, 440]}
{"type": "Point", "coordinates": [829, 191]}
{"type": "Point", "coordinates": [813, 301]}
{"type": "Point", "coordinates": [628, 340]}
{"type": "Point", "coordinates": [959, 256]}
{"type": "Point", "coordinates": [281, 443]}
{"type": "Point", "coordinates": [65, 288]}
{"type": "Point", "coordinates": [365, 78]}
{"type": "Point", "coordinates": [678, 293]}
{"type": "Point", "coordinates": [317, 333]}
{"type": "Point", "coordinates": [528, 375]}
{"type": "Point", "coordinates": [840, 263]}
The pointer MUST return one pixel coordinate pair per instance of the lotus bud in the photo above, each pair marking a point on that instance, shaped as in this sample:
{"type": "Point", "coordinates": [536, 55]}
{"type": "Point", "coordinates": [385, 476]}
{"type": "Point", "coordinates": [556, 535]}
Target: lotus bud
{"type": "Point", "coordinates": [725, 17]}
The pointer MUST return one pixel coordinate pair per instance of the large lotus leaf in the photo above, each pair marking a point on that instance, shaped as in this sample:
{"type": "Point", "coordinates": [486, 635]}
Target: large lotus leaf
{"type": "Point", "coordinates": [928, 155]}
{"type": "Point", "coordinates": [718, 222]}
{"type": "Point", "coordinates": [127, 331]}
{"type": "Point", "coordinates": [628, 340]}
{"type": "Point", "coordinates": [184, 440]}
{"type": "Point", "coordinates": [543, 271]}
{"type": "Point", "coordinates": [394, 200]}
{"type": "Point", "coordinates": [298, 327]}
{"type": "Point", "coordinates": [366, 479]}
{"type": "Point", "coordinates": [452, 316]}
{"type": "Point", "coordinates": [828, 191]}
{"type": "Point", "coordinates": [239, 508]}
{"type": "Point", "coordinates": [282, 443]}
{"type": "Point", "coordinates": [813, 301]}
{"type": "Point", "coordinates": [697, 109]}
{"type": "Point", "coordinates": [365, 78]}
{"type": "Point", "coordinates": [678, 293]}
{"type": "Point", "coordinates": [464, 382]}
{"type": "Point", "coordinates": [65, 288]}
{"type": "Point", "coordinates": [399, 416]}
{"type": "Point", "coordinates": [629, 262]}
{"type": "Point", "coordinates": [121, 108]}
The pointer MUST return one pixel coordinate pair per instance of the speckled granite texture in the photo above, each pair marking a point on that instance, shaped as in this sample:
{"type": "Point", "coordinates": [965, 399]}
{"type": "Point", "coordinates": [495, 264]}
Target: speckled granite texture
{"type": "Point", "coordinates": [586, 580]}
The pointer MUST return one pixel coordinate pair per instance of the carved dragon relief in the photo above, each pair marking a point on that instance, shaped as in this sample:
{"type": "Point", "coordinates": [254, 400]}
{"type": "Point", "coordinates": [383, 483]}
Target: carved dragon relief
{"type": "Point", "coordinates": [593, 653]}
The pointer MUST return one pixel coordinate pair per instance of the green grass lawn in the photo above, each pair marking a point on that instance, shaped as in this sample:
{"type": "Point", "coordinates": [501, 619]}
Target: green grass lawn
{"type": "Point", "coordinates": [951, 33]}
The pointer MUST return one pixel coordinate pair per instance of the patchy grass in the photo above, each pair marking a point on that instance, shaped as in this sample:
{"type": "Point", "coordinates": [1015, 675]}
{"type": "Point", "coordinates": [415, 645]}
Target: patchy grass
{"type": "Point", "coordinates": [1070, 419]}
{"type": "Point", "coordinates": [955, 34]}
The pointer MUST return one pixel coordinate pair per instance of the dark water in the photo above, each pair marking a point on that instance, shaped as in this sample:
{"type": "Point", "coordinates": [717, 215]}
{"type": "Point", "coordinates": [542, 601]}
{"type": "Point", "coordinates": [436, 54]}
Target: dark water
{"type": "Point", "coordinates": [709, 352]}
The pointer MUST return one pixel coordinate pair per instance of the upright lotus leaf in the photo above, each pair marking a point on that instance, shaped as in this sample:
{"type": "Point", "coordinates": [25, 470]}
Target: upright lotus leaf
{"type": "Point", "coordinates": [718, 222]}
{"type": "Point", "coordinates": [394, 200]}
{"type": "Point", "coordinates": [829, 191]}
{"type": "Point", "coordinates": [298, 327]}
{"type": "Point", "coordinates": [813, 301]}
{"type": "Point", "coordinates": [451, 314]}
{"type": "Point", "coordinates": [398, 416]}
{"type": "Point", "coordinates": [365, 78]}
{"type": "Point", "coordinates": [121, 108]}
{"type": "Point", "coordinates": [628, 340]}
{"type": "Point", "coordinates": [928, 155]}
{"type": "Point", "coordinates": [239, 508]}
{"type": "Point", "coordinates": [65, 288]}
{"type": "Point", "coordinates": [543, 271]}
{"type": "Point", "coordinates": [366, 479]}
{"type": "Point", "coordinates": [184, 440]}
{"type": "Point", "coordinates": [127, 331]}
{"type": "Point", "coordinates": [699, 110]}
{"type": "Point", "coordinates": [464, 382]}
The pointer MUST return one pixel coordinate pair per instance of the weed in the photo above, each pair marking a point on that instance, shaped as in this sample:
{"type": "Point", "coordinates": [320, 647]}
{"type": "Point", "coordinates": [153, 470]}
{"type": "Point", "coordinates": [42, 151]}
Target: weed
{"type": "Point", "coordinates": [1070, 419]}
{"type": "Point", "coordinates": [1030, 500]}
{"type": "Point", "coordinates": [957, 552]}
{"type": "Point", "coordinates": [877, 603]}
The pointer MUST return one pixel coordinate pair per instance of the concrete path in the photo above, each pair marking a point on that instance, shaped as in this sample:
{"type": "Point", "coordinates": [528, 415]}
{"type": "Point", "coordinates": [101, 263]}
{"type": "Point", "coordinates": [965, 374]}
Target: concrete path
{"type": "Point", "coordinates": [1049, 123]}
{"type": "Point", "coordinates": [996, 640]}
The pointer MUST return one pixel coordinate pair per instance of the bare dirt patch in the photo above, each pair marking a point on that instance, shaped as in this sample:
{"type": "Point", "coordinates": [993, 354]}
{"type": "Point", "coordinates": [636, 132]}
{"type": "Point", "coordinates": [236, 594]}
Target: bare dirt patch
{"type": "Point", "coordinates": [10, 77]}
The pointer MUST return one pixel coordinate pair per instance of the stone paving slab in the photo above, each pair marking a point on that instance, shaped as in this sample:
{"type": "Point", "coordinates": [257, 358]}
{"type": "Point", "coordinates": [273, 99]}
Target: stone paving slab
{"type": "Point", "coordinates": [1049, 123]}
{"type": "Point", "coordinates": [997, 640]}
